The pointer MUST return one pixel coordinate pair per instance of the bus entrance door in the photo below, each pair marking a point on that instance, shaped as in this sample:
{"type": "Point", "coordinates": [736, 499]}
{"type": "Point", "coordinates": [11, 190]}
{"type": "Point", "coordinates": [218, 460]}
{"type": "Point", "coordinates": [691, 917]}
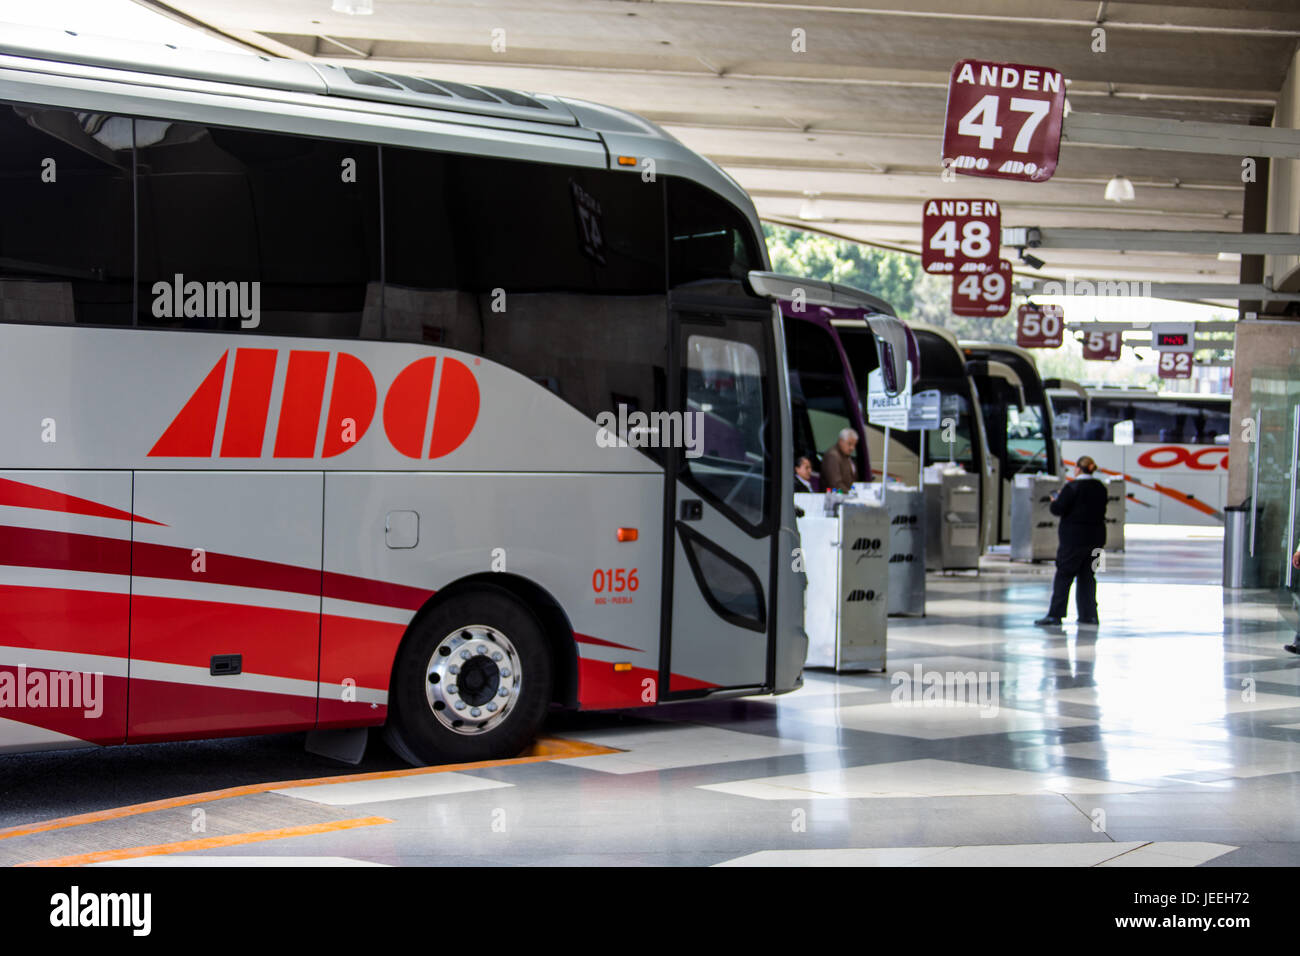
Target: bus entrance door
{"type": "Point", "coordinates": [721, 559]}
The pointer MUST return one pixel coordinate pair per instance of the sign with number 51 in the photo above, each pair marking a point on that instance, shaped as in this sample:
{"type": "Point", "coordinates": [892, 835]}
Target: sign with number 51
{"type": "Point", "coordinates": [1004, 120]}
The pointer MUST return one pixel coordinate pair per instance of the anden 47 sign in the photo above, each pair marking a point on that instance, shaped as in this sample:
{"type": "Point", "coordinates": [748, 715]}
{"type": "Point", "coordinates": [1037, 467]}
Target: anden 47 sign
{"type": "Point", "coordinates": [1004, 120]}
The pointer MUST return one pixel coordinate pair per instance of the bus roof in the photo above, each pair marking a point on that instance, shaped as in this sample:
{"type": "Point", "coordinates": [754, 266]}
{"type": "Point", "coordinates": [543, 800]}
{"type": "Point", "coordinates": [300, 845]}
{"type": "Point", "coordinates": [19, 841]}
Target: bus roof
{"type": "Point", "coordinates": [1142, 393]}
{"type": "Point", "coordinates": [62, 68]}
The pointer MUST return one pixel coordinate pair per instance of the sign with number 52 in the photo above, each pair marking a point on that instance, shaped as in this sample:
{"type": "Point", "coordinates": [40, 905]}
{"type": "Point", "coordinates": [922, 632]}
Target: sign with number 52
{"type": "Point", "coordinates": [1175, 365]}
{"type": "Point", "coordinates": [984, 295]}
{"type": "Point", "coordinates": [1004, 120]}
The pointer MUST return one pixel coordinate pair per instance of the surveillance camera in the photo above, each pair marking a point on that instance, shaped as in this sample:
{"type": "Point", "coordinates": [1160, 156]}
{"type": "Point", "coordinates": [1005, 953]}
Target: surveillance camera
{"type": "Point", "coordinates": [1031, 260]}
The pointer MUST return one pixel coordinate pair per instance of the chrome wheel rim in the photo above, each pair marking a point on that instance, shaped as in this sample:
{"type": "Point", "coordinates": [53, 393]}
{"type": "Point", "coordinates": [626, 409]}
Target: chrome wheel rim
{"type": "Point", "coordinates": [473, 680]}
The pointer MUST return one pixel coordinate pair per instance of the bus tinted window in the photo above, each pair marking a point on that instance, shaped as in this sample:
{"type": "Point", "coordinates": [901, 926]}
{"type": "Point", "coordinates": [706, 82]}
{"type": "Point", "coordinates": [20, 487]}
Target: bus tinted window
{"type": "Point", "coordinates": [708, 237]}
{"type": "Point", "coordinates": [725, 380]}
{"type": "Point", "coordinates": [952, 444]}
{"type": "Point", "coordinates": [1156, 419]}
{"type": "Point", "coordinates": [233, 222]}
{"type": "Point", "coordinates": [65, 230]}
{"type": "Point", "coordinates": [556, 272]}
{"type": "Point", "coordinates": [811, 351]}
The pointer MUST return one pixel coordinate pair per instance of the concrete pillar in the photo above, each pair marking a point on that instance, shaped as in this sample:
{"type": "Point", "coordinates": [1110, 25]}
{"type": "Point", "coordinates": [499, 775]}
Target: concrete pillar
{"type": "Point", "coordinates": [1284, 186]}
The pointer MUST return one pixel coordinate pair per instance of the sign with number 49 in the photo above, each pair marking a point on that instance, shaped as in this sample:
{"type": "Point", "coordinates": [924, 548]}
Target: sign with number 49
{"type": "Point", "coordinates": [983, 294]}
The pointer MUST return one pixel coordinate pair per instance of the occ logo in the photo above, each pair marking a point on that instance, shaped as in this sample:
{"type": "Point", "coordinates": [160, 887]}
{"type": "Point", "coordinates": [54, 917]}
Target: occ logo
{"type": "Point", "coordinates": [1167, 456]}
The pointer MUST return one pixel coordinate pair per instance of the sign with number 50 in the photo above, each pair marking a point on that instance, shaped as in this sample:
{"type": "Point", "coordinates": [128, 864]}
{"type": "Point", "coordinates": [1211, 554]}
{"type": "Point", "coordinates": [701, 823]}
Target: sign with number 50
{"type": "Point", "coordinates": [1040, 326]}
{"type": "Point", "coordinates": [1004, 120]}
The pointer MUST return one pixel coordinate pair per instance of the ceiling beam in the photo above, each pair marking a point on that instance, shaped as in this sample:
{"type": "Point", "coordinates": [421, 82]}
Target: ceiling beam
{"type": "Point", "coordinates": [1144, 132]}
{"type": "Point", "coordinates": [1154, 240]}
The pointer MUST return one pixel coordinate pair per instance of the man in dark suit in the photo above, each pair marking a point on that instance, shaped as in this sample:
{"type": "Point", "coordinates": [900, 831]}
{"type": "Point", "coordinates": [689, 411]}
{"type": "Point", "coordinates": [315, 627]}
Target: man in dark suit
{"type": "Point", "coordinates": [1081, 506]}
{"type": "Point", "coordinates": [803, 476]}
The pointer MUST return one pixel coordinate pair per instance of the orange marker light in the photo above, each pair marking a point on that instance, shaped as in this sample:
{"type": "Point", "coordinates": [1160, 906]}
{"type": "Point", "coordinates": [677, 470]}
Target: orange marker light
{"type": "Point", "coordinates": [622, 667]}
{"type": "Point", "coordinates": [627, 160]}
{"type": "Point", "coordinates": [627, 534]}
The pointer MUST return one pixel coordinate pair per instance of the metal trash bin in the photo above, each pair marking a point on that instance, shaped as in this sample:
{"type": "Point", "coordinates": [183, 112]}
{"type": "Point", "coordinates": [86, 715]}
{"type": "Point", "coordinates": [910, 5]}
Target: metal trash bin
{"type": "Point", "coordinates": [907, 547]}
{"type": "Point", "coordinates": [1116, 510]}
{"type": "Point", "coordinates": [952, 522]}
{"type": "Point", "coordinates": [847, 561]}
{"type": "Point", "coordinates": [1033, 526]}
{"type": "Point", "coordinates": [1240, 568]}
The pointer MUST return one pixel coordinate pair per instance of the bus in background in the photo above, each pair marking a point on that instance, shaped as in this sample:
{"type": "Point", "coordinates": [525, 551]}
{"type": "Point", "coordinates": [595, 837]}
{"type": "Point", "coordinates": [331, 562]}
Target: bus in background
{"type": "Point", "coordinates": [942, 367]}
{"type": "Point", "coordinates": [1018, 421]}
{"type": "Point", "coordinates": [824, 396]}
{"type": "Point", "coordinates": [337, 400]}
{"type": "Point", "coordinates": [1176, 468]}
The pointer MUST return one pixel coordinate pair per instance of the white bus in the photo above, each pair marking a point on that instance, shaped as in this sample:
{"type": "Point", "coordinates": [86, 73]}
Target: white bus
{"type": "Point", "coordinates": [1176, 467]}
{"type": "Point", "coordinates": [335, 399]}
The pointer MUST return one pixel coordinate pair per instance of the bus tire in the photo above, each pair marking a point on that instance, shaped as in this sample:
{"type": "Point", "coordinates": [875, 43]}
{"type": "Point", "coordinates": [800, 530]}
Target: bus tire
{"type": "Point", "coordinates": [472, 681]}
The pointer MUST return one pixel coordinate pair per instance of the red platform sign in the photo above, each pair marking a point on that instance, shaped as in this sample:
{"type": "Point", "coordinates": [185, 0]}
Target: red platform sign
{"type": "Point", "coordinates": [1175, 365]}
{"type": "Point", "coordinates": [1100, 346]}
{"type": "Point", "coordinates": [1040, 326]}
{"type": "Point", "coordinates": [1004, 120]}
{"type": "Point", "coordinates": [957, 232]}
{"type": "Point", "coordinates": [982, 294]}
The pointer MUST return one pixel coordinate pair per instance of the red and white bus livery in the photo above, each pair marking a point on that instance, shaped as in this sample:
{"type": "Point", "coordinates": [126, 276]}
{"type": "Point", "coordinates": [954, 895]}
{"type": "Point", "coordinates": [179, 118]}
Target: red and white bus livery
{"type": "Point", "coordinates": [1176, 467]}
{"type": "Point", "coordinates": [302, 377]}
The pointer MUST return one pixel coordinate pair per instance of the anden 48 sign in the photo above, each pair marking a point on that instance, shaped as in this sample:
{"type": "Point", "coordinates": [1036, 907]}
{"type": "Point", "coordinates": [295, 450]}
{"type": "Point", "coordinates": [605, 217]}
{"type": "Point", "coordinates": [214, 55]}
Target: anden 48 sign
{"type": "Point", "coordinates": [1004, 120]}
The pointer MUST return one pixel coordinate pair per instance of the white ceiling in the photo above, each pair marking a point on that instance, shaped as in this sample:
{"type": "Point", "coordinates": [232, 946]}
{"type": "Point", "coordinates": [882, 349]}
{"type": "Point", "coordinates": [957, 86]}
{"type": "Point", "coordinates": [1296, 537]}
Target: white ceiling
{"type": "Point", "coordinates": [857, 118]}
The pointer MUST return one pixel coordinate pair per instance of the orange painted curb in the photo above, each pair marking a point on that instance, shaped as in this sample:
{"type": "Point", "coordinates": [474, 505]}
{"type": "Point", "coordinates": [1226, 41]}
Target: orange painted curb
{"type": "Point", "coordinates": [550, 748]}
{"type": "Point", "coordinates": [207, 843]}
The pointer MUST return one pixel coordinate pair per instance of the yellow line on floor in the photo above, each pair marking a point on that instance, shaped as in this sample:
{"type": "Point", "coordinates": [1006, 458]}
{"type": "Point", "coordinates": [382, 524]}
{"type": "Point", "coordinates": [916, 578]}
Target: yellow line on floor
{"type": "Point", "coordinates": [546, 748]}
{"type": "Point", "coordinates": [207, 843]}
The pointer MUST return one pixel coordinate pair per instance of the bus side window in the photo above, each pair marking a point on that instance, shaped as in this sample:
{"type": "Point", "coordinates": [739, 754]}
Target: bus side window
{"type": "Point", "coordinates": [254, 231]}
{"type": "Point", "coordinates": [65, 191]}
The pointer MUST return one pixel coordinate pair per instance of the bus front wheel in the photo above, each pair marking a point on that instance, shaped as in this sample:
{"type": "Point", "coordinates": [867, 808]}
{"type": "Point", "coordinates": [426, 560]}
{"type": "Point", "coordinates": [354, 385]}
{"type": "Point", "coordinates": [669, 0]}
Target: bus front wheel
{"type": "Point", "coordinates": [472, 681]}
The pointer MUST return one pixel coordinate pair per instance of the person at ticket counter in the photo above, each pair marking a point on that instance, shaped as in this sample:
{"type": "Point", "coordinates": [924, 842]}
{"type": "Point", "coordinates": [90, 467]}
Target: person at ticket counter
{"type": "Point", "coordinates": [838, 470]}
{"type": "Point", "coordinates": [803, 476]}
{"type": "Point", "coordinates": [1081, 506]}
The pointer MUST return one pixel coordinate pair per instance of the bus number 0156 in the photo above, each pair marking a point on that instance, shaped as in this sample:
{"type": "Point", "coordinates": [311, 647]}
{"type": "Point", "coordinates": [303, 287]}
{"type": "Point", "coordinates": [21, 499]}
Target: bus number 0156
{"type": "Point", "coordinates": [614, 579]}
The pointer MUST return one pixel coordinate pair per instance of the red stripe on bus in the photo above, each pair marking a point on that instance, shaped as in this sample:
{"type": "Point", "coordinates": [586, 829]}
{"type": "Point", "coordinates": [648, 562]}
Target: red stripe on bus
{"type": "Point", "coordinates": [347, 587]}
{"type": "Point", "coordinates": [600, 687]}
{"type": "Point", "coordinates": [18, 494]}
{"type": "Point", "coordinates": [65, 551]}
{"type": "Point", "coordinates": [588, 639]}
{"type": "Point", "coordinates": [163, 710]}
{"type": "Point", "coordinates": [357, 650]}
{"type": "Point", "coordinates": [275, 642]}
{"type": "Point", "coordinates": [62, 551]}
{"type": "Point", "coordinates": [106, 723]}
{"type": "Point", "coordinates": [65, 620]}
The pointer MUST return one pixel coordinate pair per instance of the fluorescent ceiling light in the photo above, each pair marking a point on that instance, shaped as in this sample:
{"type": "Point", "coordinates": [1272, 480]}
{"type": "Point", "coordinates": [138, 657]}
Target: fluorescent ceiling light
{"type": "Point", "coordinates": [1119, 189]}
{"type": "Point", "coordinates": [811, 209]}
{"type": "Point", "coordinates": [357, 7]}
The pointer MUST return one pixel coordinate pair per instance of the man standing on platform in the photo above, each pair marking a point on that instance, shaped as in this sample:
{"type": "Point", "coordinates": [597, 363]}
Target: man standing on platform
{"type": "Point", "coordinates": [1081, 506]}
